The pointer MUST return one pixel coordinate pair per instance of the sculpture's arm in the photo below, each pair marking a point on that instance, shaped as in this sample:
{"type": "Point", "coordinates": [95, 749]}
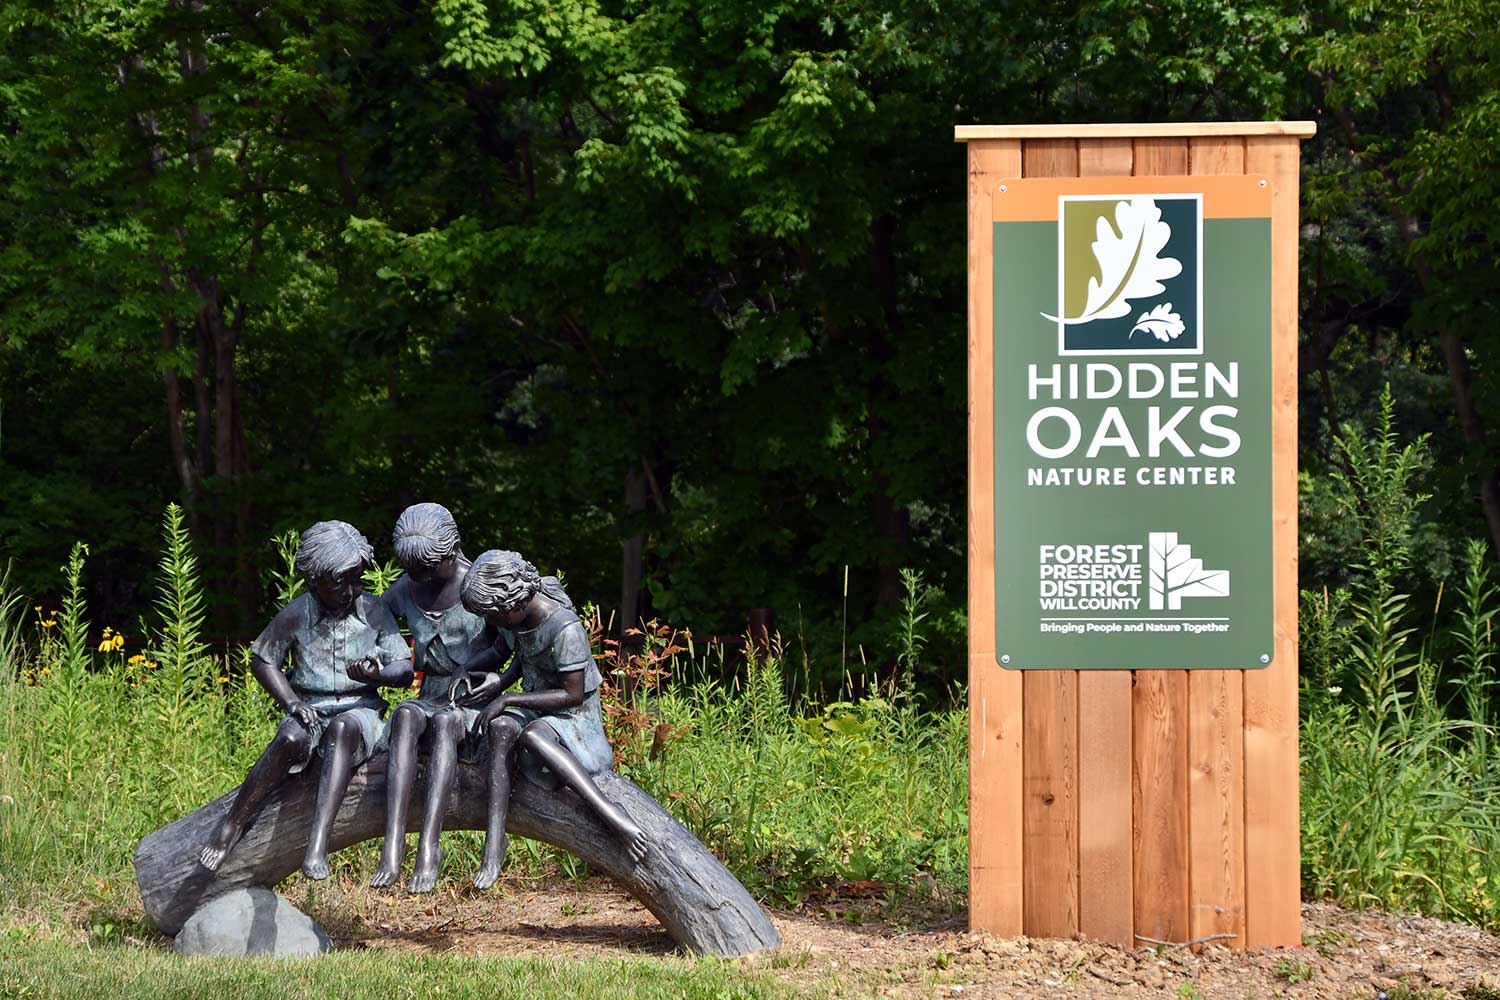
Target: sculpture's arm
{"type": "Point", "coordinates": [391, 664]}
{"type": "Point", "coordinates": [281, 691]}
{"type": "Point", "coordinates": [395, 673]}
{"type": "Point", "coordinates": [551, 700]}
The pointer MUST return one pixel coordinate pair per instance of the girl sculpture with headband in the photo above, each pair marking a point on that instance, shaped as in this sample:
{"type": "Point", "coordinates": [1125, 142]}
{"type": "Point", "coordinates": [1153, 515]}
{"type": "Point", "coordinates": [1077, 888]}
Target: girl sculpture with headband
{"type": "Point", "coordinates": [553, 730]}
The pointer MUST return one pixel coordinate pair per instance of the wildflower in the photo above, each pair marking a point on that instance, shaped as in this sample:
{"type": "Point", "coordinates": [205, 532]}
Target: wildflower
{"type": "Point", "coordinates": [49, 623]}
{"type": "Point", "coordinates": [105, 646]}
{"type": "Point", "coordinates": [137, 658]}
{"type": "Point", "coordinates": [46, 670]}
{"type": "Point", "coordinates": [152, 664]}
{"type": "Point", "coordinates": [223, 680]}
{"type": "Point", "coordinates": [1335, 690]}
{"type": "Point", "coordinates": [119, 641]}
{"type": "Point", "coordinates": [107, 631]}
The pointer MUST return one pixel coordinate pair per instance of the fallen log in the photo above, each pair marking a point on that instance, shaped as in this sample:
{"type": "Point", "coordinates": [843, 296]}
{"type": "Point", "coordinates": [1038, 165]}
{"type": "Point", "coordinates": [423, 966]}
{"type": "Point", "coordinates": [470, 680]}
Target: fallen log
{"type": "Point", "coordinates": [700, 904]}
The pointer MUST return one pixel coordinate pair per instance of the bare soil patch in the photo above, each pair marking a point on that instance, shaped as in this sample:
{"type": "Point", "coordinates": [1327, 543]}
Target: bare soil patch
{"type": "Point", "coordinates": [860, 947]}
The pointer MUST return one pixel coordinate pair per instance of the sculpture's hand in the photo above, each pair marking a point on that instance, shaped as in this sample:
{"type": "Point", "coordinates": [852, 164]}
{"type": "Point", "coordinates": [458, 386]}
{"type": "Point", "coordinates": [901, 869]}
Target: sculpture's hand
{"type": "Point", "coordinates": [489, 714]}
{"type": "Point", "coordinates": [458, 687]}
{"type": "Point", "coordinates": [303, 713]}
{"type": "Point", "coordinates": [366, 670]}
{"type": "Point", "coordinates": [480, 692]}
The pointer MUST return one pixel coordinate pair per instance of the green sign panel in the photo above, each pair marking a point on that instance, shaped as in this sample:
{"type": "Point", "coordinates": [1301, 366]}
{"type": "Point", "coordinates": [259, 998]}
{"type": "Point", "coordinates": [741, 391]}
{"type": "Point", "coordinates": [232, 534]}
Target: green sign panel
{"type": "Point", "coordinates": [1132, 386]}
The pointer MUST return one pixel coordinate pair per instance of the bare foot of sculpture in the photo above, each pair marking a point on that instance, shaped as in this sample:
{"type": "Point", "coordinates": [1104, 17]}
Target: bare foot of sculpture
{"type": "Point", "coordinates": [315, 866]}
{"type": "Point", "coordinates": [489, 868]}
{"type": "Point", "coordinates": [390, 865]}
{"type": "Point", "coordinates": [636, 844]}
{"type": "Point", "coordinates": [225, 837]}
{"type": "Point", "coordinates": [424, 873]}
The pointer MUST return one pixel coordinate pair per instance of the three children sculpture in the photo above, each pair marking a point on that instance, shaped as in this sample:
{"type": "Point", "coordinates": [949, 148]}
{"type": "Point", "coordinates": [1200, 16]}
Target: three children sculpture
{"type": "Point", "coordinates": [475, 628]}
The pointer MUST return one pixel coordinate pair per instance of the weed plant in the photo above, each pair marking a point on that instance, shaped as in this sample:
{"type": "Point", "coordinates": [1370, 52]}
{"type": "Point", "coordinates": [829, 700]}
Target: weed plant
{"type": "Point", "coordinates": [1400, 803]}
{"type": "Point", "coordinates": [104, 744]}
{"type": "Point", "coordinates": [872, 792]}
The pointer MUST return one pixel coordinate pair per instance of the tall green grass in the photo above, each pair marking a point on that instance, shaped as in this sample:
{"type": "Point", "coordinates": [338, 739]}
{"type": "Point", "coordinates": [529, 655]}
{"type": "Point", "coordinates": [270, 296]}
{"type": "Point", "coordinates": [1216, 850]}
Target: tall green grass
{"type": "Point", "coordinates": [1400, 803]}
{"type": "Point", "coordinates": [873, 790]}
{"type": "Point", "coordinates": [104, 744]}
{"type": "Point", "coordinates": [1400, 761]}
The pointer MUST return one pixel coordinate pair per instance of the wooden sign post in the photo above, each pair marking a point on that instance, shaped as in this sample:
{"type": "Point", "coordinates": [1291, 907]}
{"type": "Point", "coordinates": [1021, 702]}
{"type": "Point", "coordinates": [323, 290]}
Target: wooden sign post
{"type": "Point", "coordinates": [1110, 798]}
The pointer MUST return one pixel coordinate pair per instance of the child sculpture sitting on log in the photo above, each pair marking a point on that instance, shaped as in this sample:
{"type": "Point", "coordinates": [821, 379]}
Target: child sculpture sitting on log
{"type": "Point", "coordinates": [344, 645]}
{"type": "Point", "coordinates": [446, 638]}
{"type": "Point", "coordinates": [554, 729]}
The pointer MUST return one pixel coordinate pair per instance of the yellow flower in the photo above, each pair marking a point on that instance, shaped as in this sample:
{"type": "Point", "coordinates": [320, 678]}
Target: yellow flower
{"type": "Point", "coordinates": [214, 697]}
{"type": "Point", "coordinates": [137, 658]}
{"type": "Point", "coordinates": [223, 680]}
{"type": "Point", "coordinates": [49, 623]}
{"type": "Point", "coordinates": [104, 646]}
{"type": "Point", "coordinates": [119, 642]}
{"type": "Point", "coordinates": [39, 607]}
{"type": "Point", "coordinates": [107, 631]}
{"type": "Point", "coordinates": [46, 670]}
{"type": "Point", "coordinates": [152, 664]}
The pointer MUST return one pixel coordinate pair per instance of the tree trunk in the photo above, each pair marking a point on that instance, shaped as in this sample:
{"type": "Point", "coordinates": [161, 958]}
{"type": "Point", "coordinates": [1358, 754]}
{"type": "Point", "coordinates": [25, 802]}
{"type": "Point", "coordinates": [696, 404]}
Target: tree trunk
{"type": "Point", "coordinates": [1473, 429]}
{"type": "Point", "coordinates": [892, 521]}
{"type": "Point", "coordinates": [701, 905]}
{"type": "Point", "coordinates": [182, 463]}
{"type": "Point", "coordinates": [1469, 420]}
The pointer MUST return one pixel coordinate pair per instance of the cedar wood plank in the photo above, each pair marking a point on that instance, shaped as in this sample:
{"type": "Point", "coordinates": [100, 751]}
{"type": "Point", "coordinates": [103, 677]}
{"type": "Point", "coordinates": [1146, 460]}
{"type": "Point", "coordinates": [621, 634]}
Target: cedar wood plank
{"type": "Point", "coordinates": [1050, 720]}
{"type": "Point", "coordinates": [1105, 896]}
{"type": "Point", "coordinates": [995, 851]}
{"type": "Point", "coordinates": [1159, 786]}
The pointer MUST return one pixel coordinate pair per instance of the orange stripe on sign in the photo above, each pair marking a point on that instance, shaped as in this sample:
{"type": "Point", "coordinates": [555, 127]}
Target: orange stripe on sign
{"type": "Point", "coordinates": [1034, 199]}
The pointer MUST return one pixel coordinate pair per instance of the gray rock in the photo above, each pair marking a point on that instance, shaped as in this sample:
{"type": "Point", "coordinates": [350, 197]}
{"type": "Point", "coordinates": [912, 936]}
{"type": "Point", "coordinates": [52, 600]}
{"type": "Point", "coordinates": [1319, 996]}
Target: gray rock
{"type": "Point", "coordinates": [251, 921]}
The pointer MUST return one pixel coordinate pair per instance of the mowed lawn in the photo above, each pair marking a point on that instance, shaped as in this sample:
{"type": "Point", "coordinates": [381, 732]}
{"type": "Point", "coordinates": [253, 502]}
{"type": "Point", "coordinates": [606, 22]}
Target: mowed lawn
{"type": "Point", "coordinates": [42, 967]}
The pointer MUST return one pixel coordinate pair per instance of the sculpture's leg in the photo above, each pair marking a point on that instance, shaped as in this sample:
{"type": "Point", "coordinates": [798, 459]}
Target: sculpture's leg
{"type": "Point", "coordinates": [503, 732]}
{"type": "Point", "coordinates": [442, 765]}
{"type": "Point", "coordinates": [541, 739]}
{"type": "Point", "coordinates": [339, 745]}
{"type": "Point", "coordinates": [407, 726]}
{"type": "Point", "coordinates": [291, 744]}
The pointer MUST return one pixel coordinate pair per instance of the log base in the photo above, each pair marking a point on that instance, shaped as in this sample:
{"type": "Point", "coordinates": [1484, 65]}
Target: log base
{"type": "Point", "coordinates": [702, 906]}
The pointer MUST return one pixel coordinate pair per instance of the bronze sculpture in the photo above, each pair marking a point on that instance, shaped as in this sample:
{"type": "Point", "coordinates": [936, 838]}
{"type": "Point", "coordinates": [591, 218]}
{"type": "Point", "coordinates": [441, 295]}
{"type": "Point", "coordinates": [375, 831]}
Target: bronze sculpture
{"type": "Point", "coordinates": [344, 645]}
{"type": "Point", "coordinates": [553, 730]}
{"type": "Point", "coordinates": [445, 637]}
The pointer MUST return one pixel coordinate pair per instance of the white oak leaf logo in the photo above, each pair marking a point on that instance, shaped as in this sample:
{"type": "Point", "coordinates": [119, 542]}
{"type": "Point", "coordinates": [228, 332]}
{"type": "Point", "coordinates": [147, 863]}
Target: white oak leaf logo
{"type": "Point", "coordinates": [1161, 322]}
{"type": "Point", "coordinates": [1130, 263]}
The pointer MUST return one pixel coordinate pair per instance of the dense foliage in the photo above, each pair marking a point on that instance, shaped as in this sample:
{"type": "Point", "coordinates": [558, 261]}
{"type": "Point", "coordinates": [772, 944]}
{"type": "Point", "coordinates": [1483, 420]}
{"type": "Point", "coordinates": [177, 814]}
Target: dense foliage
{"type": "Point", "coordinates": [668, 295]}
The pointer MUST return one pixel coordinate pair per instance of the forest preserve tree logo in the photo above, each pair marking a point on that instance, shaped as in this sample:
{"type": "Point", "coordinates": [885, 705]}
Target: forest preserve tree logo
{"type": "Point", "coordinates": [1175, 574]}
{"type": "Point", "coordinates": [1129, 274]}
{"type": "Point", "coordinates": [1160, 575]}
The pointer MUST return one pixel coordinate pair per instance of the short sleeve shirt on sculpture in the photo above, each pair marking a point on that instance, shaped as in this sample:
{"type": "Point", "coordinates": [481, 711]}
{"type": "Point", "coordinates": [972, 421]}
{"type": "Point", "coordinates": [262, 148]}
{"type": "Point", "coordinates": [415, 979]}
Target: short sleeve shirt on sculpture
{"type": "Point", "coordinates": [442, 640]}
{"type": "Point", "coordinates": [559, 646]}
{"type": "Point", "coordinates": [323, 645]}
